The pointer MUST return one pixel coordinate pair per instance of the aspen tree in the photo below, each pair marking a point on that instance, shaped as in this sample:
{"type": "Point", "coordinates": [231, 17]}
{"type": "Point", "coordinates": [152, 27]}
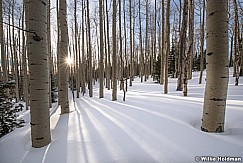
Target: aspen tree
{"type": "Point", "coordinates": [90, 70]}
{"type": "Point", "coordinates": [101, 64]}
{"type": "Point", "coordinates": [26, 55]}
{"type": "Point", "coordinates": [108, 73]}
{"type": "Point", "coordinates": [146, 54]}
{"type": "Point", "coordinates": [49, 49]}
{"type": "Point", "coordinates": [120, 68]}
{"type": "Point", "coordinates": [14, 57]}
{"type": "Point", "coordinates": [63, 67]}
{"type": "Point", "coordinates": [162, 43]}
{"type": "Point", "coordinates": [141, 63]}
{"type": "Point", "coordinates": [76, 49]}
{"type": "Point", "coordinates": [39, 75]}
{"type": "Point", "coordinates": [131, 44]}
{"type": "Point", "coordinates": [167, 49]}
{"type": "Point", "coordinates": [202, 41]}
{"type": "Point", "coordinates": [153, 58]}
{"type": "Point", "coordinates": [3, 54]}
{"type": "Point", "coordinates": [182, 56]}
{"type": "Point", "coordinates": [114, 62]}
{"type": "Point", "coordinates": [190, 51]}
{"type": "Point", "coordinates": [25, 75]}
{"type": "Point", "coordinates": [217, 76]}
{"type": "Point", "coordinates": [236, 53]}
{"type": "Point", "coordinates": [83, 67]}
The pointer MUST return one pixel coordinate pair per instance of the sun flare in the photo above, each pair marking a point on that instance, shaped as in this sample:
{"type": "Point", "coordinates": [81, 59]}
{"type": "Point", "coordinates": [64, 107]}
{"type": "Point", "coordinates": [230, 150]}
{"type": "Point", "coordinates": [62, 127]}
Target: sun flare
{"type": "Point", "coordinates": [69, 60]}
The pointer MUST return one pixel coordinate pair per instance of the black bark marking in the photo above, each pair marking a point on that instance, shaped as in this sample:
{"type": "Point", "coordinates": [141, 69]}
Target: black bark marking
{"type": "Point", "coordinates": [217, 99]}
{"type": "Point", "coordinates": [40, 138]}
{"type": "Point", "coordinates": [212, 13]}
{"type": "Point", "coordinates": [204, 129]}
{"type": "Point", "coordinates": [43, 3]}
{"type": "Point", "coordinates": [38, 89]}
{"type": "Point", "coordinates": [219, 129]}
{"type": "Point", "coordinates": [32, 124]}
{"type": "Point", "coordinates": [210, 53]}
{"type": "Point", "coordinates": [206, 113]}
{"type": "Point", "coordinates": [37, 38]}
{"type": "Point", "coordinates": [223, 77]}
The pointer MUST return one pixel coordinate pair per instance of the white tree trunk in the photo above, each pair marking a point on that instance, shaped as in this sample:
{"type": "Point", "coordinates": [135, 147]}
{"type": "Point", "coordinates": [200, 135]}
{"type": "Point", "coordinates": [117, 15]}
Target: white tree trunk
{"type": "Point", "coordinates": [39, 75]}
{"type": "Point", "coordinates": [3, 55]}
{"type": "Point", "coordinates": [217, 67]}
{"type": "Point", "coordinates": [167, 49]}
{"type": "Point", "coordinates": [63, 67]}
{"type": "Point", "coordinates": [202, 42]}
{"type": "Point", "coordinates": [101, 66]}
{"type": "Point", "coordinates": [114, 60]}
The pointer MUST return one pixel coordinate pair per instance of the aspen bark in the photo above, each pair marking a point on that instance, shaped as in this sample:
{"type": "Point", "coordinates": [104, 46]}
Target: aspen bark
{"type": "Point", "coordinates": [141, 63]}
{"type": "Point", "coordinates": [101, 64]}
{"type": "Point", "coordinates": [241, 51]}
{"type": "Point", "coordinates": [182, 56]}
{"type": "Point", "coordinates": [63, 67]}
{"type": "Point", "coordinates": [39, 75]}
{"type": "Point", "coordinates": [202, 43]}
{"type": "Point", "coordinates": [108, 48]}
{"type": "Point", "coordinates": [49, 49]}
{"type": "Point", "coordinates": [167, 49]}
{"type": "Point", "coordinates": [190, 51]}
{"type": "Point", "coordinates": [15, 57]}
{"type": "Point", "coordinates": [236, 53]}
{"type": "Point", "coordinates": [162, 44]}
{"type": "Point", "coordinates": [77, 72]}
{"type": "Point", "coordinates": [3, 54]}
{"type": "Point", "coordinates": [83, 56]}
{"type": "Point", "coordinates": [26, 54]}
{"type": "Point", "coordinates": [213, 118]}
{"type": "Point", "coordinates": [131, 44]}
{"type": "Point", "coordinates": [121, 65]}
{"type": "Point", "coordinates": [25, 75]}
{"type": "Point", "coordinates": [114, 61]}
{"type": "Point", "coordinates": [90, 70]}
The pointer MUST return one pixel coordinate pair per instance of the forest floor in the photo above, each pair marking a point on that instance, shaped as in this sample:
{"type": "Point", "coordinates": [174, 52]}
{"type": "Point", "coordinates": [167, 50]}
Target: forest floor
{"type": "Point", "coordinates": [148, 127]}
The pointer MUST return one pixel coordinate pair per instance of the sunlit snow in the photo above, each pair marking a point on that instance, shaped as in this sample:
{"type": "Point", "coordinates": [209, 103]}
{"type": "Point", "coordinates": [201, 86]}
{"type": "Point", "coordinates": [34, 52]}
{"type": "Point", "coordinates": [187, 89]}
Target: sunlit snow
{"type": "Point", "coordinates": [148, 127]}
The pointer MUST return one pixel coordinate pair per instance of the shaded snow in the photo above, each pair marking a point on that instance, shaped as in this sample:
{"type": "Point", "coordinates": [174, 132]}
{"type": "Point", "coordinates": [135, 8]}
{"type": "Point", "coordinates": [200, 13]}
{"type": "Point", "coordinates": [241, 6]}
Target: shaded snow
{"type": "Point", "coordinates": [148, 127]}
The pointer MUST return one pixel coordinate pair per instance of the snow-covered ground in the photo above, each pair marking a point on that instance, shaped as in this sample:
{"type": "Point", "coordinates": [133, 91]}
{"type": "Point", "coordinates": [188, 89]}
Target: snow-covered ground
{"type": "Point", "coordinates": [148, 127]}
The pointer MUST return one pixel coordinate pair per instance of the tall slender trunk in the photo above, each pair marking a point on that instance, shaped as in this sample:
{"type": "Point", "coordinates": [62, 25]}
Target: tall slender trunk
{"type": "Point", "coordinates": [162, 44]}
{"type": "Point", "coordinates": [83, 67]}
{"type": "Point", "coordinates": [202, 14]}
{"type": "Point", "coordinates": [89, 54]}
{"type": "Point", "coordinates": [146, 54]}
{"type": "Point", "coordinates": [236, 53]}
{"type": "Point", "coordinates": [190, 51]}
{"type": "Point", "coordinates": [24, 64]}
{"type": "Point", "coordinates": [63, 96]}
{"type": "Point", "coordinates": [101, 65]}
{"type": "Point", "coordinates": [213, 118]}
{"type": "Point", "coordinates": [76, 50]}
{"type": "Point", "coordinates": [120, 49]}
{"type": "Point", "coordinates": [141, 63]}
{"type": "Point", "coordinates": [182, 56]}
{"type": "Point", "coordinates": [15, 58]}
{"type": "Point", "coordinates": [131, 44]}
{"type": "Point", "coordinates": [3, 54]}
{"type": "Point", "coordinates": [114, 61]}
{"type": "Point", "coordinates": [108, 48]}
{"type": "Point", "coordinates": [153, 57]}
{"type": "Point", "coordinates": [241, 51]}
{"type": "Point", "coordinates": [49, 50]}
{"type": "Point", "coordinates": [167, 43]}
{"type": "Point", "coordinates": [38, 64]}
